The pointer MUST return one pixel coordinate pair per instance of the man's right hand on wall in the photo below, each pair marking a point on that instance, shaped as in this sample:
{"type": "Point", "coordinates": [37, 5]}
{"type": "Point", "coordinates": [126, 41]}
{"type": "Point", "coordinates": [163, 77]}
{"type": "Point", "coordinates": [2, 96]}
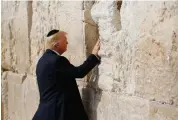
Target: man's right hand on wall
{"type": "Point", "coordinates": [96, 48]}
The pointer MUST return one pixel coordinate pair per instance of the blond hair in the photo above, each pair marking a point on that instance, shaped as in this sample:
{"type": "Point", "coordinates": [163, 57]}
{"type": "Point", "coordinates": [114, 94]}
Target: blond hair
{"type": "Point", "coordinates": [51, 41]}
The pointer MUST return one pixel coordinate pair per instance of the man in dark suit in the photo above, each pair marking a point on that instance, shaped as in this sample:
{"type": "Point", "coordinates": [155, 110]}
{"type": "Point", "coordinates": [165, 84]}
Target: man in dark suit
{"type": "Point", "coordinates": [59, 94]}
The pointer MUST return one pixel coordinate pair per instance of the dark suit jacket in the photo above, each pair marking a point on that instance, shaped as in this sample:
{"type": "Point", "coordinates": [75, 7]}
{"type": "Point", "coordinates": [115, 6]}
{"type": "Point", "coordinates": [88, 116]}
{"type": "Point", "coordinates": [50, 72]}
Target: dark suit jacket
{"type": "Point", "coordinates": [59, 94]}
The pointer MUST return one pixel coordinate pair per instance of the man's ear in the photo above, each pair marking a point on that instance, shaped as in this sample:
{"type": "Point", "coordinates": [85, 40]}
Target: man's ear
{"type": "Point", "coordinates": [57, 45]}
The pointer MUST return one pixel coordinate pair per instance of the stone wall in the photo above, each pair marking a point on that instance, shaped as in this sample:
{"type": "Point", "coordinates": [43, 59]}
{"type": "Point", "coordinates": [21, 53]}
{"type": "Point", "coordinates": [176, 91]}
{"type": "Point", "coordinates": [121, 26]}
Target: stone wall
{"type": "Point", "coordinates": [138, 75]}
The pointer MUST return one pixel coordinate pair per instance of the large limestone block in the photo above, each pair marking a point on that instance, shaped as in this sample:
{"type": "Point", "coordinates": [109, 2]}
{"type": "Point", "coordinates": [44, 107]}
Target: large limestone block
{"type": "Point", "coordinates": [30, 99]}
{"type": "Point", "coordinates": [23, 96]}
{"type": "Point", "coordinates": [152, 30]}
{"type": "Point", "coordinates": [15, 39]}
{"type": "Point", "coordinates": [111, 106]}
{"type": "Point", "coordinates": [15, 106]}
{"type": "Point", "coordinates": [64, 15]}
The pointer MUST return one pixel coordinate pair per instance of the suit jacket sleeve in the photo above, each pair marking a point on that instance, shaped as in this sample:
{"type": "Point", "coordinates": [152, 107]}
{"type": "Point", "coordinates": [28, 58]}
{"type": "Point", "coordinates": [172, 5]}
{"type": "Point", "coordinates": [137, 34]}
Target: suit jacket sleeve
{"type": "Point", "coordinates": [67, 69]}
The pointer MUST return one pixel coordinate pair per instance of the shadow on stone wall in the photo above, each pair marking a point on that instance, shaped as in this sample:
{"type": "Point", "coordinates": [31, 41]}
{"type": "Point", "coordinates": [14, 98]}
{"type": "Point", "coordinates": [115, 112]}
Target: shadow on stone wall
{"type": "Point", "coordinates": [91, 95]}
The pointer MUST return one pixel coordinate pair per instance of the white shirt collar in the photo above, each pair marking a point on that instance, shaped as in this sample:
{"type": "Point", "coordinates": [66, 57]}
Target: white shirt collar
{"type": "Point", "coordinates": [56, 52]}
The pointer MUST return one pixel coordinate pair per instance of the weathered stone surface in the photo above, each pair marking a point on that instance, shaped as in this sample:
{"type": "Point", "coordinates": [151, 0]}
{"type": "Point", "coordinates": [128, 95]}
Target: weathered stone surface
{"type": "Point", "coordinates": [162, 112]}
{"type": "Point", "coordinates": [142, 57]}
{"type": "Point", "coordinates": [111, 106]}
{"type": "Point", "coordinates": [15, 43]}
{"type": "Point", "coordinates": [90, 30]}
{"type": "Point", "coordinates": [106, 15]}
{"type": "Point", "coordinates": [23, 96]}
{"type": "Point", "coordinates": [154, 45]}
{"type": "Point", "coordinates": [88, 4]}
{"type": "Point", "coordinates": [4, 96]}
{"type": "Point", "coordinates": [14, 96]}
{"type": "Point", "coordinates": [2, 111]}
{"type": "Point", "coordinates": [30, 99]}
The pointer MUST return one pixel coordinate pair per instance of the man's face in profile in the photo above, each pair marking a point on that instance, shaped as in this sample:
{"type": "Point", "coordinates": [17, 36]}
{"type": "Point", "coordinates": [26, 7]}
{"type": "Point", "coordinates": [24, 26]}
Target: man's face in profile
{"type": "Point", "coordinates": [62, 44]}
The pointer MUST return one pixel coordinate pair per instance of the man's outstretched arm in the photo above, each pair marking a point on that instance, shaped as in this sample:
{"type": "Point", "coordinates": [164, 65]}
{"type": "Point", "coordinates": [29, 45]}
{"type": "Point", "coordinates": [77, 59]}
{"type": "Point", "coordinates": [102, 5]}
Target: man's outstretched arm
{"type": "Point", "coordinates": [79, 71]}
{"type": "Point", "coordinates": [82, 70]}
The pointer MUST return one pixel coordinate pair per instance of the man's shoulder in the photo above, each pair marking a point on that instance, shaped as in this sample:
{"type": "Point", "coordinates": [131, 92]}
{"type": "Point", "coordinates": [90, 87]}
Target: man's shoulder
{"type": "Point", "coordinates": [47, 56]}
{"type": "Point", "coordinates": [62, 59]}
{"type": "Point", "coordinates": [46, 59]}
